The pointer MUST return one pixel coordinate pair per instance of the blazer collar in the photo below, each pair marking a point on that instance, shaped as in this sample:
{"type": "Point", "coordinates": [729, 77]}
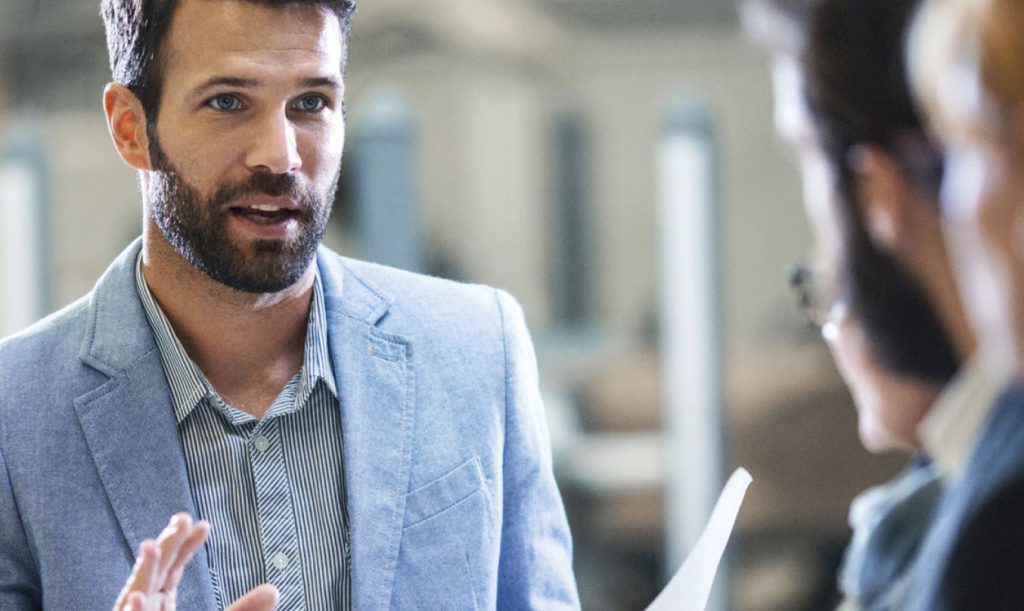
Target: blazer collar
{"type": "Point", "coordinates": [377, 392]}
{"type": "Point", "coordinates": [348, 292]}
{"type": "Point", "coordinates": [117, 333]}
{"type": "Point", "coordinates": [129, 425]}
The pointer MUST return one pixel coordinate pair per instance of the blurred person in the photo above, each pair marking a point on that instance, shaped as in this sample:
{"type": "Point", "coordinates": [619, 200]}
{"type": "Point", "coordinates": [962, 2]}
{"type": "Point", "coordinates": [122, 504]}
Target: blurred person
{"type": "Point", "coordinates": [967, 66]}
{"type": "Point", "coordinates": [886, 295]}
{"type": "Point", "coordinates": [348, 435]}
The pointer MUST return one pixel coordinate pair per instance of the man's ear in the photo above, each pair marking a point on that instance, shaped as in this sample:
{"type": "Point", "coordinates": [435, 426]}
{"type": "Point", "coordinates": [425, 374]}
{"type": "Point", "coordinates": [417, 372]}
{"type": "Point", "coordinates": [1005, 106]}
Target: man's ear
{"type": "Point", "coordinates": [882, 195]}
{"type": "Point", "coordinates": [126, 121]}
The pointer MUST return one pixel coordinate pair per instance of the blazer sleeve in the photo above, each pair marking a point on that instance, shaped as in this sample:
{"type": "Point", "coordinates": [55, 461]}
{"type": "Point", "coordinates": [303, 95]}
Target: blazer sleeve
{"type": "Point", "coordinates": [535, 564]}
{"type": "Point", "coordinates": [19, 588]}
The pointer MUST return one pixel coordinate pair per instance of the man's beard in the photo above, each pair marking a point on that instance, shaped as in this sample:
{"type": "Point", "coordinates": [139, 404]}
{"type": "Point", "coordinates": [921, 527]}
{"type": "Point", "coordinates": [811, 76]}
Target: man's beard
{"type": "Point", "coordinates": [197, 226]}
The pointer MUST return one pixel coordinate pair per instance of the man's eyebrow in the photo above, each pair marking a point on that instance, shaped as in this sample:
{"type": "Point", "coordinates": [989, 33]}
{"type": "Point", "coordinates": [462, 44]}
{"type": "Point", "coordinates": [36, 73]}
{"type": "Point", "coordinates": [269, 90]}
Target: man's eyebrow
{"type": "Point", "coordinates": [245, 83]}
{"type": "Point", "coordinates": [224, 81]}
{"type": "Point", "coordinates": [322, 81]}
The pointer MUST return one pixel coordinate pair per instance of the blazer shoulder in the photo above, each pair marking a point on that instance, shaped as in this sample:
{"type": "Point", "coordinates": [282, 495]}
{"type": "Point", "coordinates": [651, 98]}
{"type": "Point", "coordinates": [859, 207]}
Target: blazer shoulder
{"type": "Point", "coordinates": [58, 331]}
{"type": "Point", "coordinates": [428, 299]}
{"type": "Point", "coordinates": [44, 349]}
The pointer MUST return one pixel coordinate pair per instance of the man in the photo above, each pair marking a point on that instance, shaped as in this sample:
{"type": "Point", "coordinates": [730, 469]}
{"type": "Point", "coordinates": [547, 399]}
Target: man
{"type": "Point", "coordinates": [355, 436]}
{"type": "Point", "coordinates": [894, 321]}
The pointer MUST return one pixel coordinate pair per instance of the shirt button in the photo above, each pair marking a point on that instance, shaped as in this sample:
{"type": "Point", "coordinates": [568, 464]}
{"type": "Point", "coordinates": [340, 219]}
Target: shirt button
{"type": "Point", "coordinates": [262, 443]}
{"type": "Point", "coordinates": [281, 561]}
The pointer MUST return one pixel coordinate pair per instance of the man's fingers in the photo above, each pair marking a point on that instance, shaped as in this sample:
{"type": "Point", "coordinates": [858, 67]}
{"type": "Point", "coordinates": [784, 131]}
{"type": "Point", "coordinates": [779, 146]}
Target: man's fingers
{"type": "Point", "coordinates": [171, 541]}
{"type": "Point", "coordinates": [136, 602]}
{"type": "Point", "coordinates": [260, 598]}
{"type": "Point", "coordinates": [160, 563]}
{"type": "Point", "coordinates": [191, 544]}
{"type": "Point", "coordinates": [143, 579]}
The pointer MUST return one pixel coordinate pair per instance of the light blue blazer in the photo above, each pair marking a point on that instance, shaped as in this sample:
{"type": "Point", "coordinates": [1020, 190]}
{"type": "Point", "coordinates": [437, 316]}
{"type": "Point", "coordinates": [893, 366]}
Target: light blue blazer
{"type": "Point", "coordinates": [450, 489]}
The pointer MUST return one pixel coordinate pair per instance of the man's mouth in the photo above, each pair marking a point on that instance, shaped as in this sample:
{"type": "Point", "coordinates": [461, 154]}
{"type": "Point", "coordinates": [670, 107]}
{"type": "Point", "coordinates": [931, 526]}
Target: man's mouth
{"type": "Point", "coordinates": [265, 214]}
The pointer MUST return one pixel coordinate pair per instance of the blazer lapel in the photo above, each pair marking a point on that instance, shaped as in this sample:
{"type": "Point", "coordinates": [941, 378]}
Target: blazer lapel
{"type": "Point", "coordinates": [376, 388]}
{"type": "Point", "coordinates": [130, 427]}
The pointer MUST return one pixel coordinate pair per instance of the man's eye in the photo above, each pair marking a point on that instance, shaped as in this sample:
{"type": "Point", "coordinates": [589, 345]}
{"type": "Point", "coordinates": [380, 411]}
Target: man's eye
{"type": "Point", "coordinates": [225, 103]}
{"type": "Point", "coordinates": [311, 103]}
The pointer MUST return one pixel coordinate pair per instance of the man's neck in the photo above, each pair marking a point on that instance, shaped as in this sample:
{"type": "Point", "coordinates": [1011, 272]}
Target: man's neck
{"type": "Point", "coordinates": [247, 345]}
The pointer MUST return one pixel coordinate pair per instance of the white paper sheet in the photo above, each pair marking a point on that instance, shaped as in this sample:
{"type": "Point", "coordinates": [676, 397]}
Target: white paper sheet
{"type": "Point", "coordinates": [690, 587]}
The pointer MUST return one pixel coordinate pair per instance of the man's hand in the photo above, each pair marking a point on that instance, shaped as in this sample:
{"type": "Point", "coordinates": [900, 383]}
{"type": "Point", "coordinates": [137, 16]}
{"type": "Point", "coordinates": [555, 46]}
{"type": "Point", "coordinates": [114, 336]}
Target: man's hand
{"type": "Point", "coordinates": [153, 584]}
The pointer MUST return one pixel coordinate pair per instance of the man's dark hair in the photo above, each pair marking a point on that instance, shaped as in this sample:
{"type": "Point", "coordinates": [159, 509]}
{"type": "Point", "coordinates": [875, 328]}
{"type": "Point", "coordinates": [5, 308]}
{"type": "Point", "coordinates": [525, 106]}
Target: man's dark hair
{"type": "Point", "coordinates": [136, 30]}
{"type": "Point", "coordinates": [851, 54]}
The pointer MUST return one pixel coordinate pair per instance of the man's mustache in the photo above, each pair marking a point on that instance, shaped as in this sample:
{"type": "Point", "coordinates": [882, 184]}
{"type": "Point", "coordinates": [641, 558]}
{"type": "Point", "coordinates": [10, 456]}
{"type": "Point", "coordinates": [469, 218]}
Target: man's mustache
{"type": "Point", "coordinates": [273, 185]}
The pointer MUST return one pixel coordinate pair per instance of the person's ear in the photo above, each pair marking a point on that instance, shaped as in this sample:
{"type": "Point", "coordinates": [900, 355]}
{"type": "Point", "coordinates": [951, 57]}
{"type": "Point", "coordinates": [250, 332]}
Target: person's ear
{"type": "Point", "coordinates": [126, 121]}
{"type": "Point", "coordinates": [882, 195]}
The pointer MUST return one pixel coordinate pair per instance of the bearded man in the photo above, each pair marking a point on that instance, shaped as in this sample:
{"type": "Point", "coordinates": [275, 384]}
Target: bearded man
{"type": "Point", "coordinates": [347, 435]}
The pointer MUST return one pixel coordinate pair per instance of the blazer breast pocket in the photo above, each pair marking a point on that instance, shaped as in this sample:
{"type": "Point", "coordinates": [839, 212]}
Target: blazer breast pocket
{"type": "Point", "coordinates": [444, 492]}
{"type": "Point", "coordinates": [446, 541]}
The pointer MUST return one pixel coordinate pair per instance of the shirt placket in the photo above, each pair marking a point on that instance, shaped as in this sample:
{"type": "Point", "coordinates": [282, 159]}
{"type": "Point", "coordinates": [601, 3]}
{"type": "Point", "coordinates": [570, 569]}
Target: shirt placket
{"type": "Point", "coordinates": [276, 514]}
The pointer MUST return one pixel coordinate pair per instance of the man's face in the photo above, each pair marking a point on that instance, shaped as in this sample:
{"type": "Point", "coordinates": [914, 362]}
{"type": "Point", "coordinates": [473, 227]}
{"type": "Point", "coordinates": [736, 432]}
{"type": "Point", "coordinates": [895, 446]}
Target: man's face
{"type": "Point", "coordinates": [249, 139]}
{"type": "Point", "coordinates": [888, 407]}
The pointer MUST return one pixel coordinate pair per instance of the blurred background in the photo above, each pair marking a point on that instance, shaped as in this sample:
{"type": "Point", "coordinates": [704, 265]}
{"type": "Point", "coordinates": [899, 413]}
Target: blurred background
{"type": "Point", "coordinates": [611, 164]}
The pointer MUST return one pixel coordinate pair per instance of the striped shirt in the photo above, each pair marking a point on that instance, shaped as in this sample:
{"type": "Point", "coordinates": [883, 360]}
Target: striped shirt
{"type": "Point", "coordinates": [273, 489]}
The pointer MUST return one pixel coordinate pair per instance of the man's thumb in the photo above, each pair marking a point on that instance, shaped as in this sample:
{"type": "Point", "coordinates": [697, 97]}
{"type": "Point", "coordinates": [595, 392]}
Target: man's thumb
{"type": "Point", "coordinates": [260, 598]}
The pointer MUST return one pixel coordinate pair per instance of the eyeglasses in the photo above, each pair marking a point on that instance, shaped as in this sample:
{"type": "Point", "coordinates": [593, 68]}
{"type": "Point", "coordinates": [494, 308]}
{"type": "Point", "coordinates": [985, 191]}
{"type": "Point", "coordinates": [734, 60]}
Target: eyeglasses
{"type": "Point", "coordinates": [814, 297]}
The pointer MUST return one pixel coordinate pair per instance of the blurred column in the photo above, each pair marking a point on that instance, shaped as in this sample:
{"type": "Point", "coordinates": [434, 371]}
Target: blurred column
{"type": "Point", "coordinates": [387, 198]}
{"type": "Point", "coordinates": [690, 330]}
{"type": "Point", "coordinates": [572, 283]}
{"type": "Point", "coordinates": [24, 261]}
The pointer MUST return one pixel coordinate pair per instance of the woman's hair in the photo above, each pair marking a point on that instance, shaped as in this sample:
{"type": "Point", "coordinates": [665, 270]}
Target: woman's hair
{"type": "Point", "coordinates": [967, 65]}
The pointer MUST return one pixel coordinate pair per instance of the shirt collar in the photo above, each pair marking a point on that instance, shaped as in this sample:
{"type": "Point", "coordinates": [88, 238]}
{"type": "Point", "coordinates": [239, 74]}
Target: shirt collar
{"type": "Point", "coordinates": [950, 429]}
{"type": "Point", "coordinates": [188, 384]}
{"type": "Point", "coordinates": [317, 356]}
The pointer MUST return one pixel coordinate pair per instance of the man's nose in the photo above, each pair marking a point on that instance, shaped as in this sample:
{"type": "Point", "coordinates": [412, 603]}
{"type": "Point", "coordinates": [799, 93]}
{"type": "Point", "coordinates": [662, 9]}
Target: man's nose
{"type": "Point", "coordinates": [274, 149]}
